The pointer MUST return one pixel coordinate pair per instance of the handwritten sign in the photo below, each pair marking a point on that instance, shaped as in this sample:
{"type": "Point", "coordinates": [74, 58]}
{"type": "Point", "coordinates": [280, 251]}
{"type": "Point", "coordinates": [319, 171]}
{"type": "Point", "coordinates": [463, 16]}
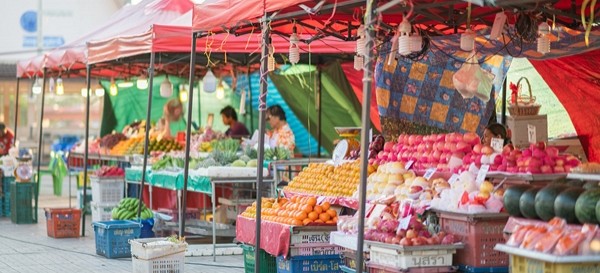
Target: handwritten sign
{"type": "Point", "coordinates": [339, 152]}
{"type": "Point", "coordinates": [473, 168]}
{"type": "Point", "coordinates": [377, 211]}
{"type": "Point", "coordinates": [409, 164]}
{"type": "Point", "coordinates": [531, 133]}
{"type": "Point", "coordinates": [453, 179]}
{"type": "Point", "coordinates": [405, 215]}
{"type": "Point", "coordinates": [497, 144]}
{"type": "Point", "coordinates": [482, 174]}
{"type": "Point", "coordinates": [429, 173]}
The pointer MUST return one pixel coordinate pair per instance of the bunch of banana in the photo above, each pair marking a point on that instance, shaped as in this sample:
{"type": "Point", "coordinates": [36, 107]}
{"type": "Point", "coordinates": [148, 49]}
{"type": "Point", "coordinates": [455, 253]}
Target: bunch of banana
{"type": "Point", "coordinates": [127, 210]}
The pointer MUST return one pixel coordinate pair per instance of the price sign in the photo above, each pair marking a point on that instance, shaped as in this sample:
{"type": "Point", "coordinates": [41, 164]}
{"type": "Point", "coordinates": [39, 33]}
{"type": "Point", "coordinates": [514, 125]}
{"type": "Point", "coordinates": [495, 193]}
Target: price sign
{"type": "Point", "coordinates": [340, 152]}
{"type": "Point", "coordinates": [497, 144]}
{"type": "Point", "coordinates": [531, 133]}
{"type": "Point", "coordinates": [424, 261]}
{"type": "Point", "coordinates": [473, 169]}
{"type": "Point", "coordinates": [429, 173]}
{"type": "Point", "coordinates": [453, 179]}
{"type": "Point", "coordinates": [482, 174]}
{"type": "Point", "coordinates": [377, 211]}
{"type": "Point", "coordinates": [409, 164]}
{"type": "Point", "coordinates": [321, 199]}
{"type": "Point", "coordinates": [405, 214]}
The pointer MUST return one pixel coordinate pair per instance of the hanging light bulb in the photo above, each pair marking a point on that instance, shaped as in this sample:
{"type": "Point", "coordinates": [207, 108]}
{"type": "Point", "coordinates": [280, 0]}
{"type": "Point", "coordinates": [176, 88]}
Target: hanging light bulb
{"type": "Point", "coordinates": [209, 82]}
{"type": "Point", "coordinates": [404, 39]}
{"type": "Point", "coordinates": [220, 92]}
{"type": "Point", "coordinates": [60, 88]}
{"type": "Point", "coordinates": [166, 88]}
{"type": "Point", "coordinates": [271, 59]}
{"type": "Point", "coordinates": [37, 86]}
{"type": "Point", "coordinates": [361, 49]}
{"type": "Point", "coordinates": [183, 93]}
{"type": "Point", "coordinates": [416, 43]}
{"type": "Point", "coordinates": [543, 41]}
{"type": "Point", "coordinates": [84, 92]}
{"type": "Point", "coordinates": [142, 82]}
{"type": "Point", "coordinates": [467, 40]}
{"type": "Point", "coordinates": [125, 84]}
{"type": "Point", "coordinates": [294, 53]}
{"type": "Point", "coordinates": [51, 85]}
{"type": "Point", "coordinates": [99, 92]}
{"type": "Point", "coordinates": [113, 90]}
{"type": "Point", "coordinates": [358, 62]}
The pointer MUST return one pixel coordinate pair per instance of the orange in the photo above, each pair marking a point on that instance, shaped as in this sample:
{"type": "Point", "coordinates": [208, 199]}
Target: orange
{"type": "Point", "coordinates": [307, 208]}
{"type": "Point", "coordinates": [331, 213]}
{"type": "Point", "coordinates": [325, 206]}
{"type": "Point", "coordinates": [318, 209]}
{"type": "Point", "coordinates": [313, 216]}
{"type": "Point", "coordinates": [297, 223]}
{"type": "Point", "coordinates": [294, 199]}
{"type": "Point", "coordinates": [306, 221]}
{"type": "Point", "coordinates": [319, 221]}
{"type": "Point", "coordinates": [300, 215]}
{"type": "Point", "coordinates": [312, 201]}
{"type": "Point", "coordinates": [335, 219]}
{"type": "Point", "coordinates": [330, 222]}
{"type": "Point", "coordinates": [324, 217]}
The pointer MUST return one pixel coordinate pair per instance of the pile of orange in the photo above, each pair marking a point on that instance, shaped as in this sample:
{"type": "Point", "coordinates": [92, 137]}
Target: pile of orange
{"type": "Point", "coordinates": [296, 211]}
{"type": "Point", "coordinates": [328, 180]}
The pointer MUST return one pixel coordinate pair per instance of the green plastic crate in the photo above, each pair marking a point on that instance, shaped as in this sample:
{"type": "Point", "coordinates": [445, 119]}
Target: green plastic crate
{"type": "Point", "coordinates": [21, 207]}
{"type": "Point", "coordinates": [268, 263]}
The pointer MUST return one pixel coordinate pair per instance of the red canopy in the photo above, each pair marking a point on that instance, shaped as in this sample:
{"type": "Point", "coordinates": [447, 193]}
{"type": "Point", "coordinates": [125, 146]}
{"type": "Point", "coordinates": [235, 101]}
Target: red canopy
{"type": "Point", "coordinates": [127, 21]}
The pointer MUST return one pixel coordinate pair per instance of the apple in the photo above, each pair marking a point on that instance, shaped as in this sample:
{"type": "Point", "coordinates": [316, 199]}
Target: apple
{"type": "Point", "coordinates": [411, 234]}
{"type": "Point", "coordinates": [527, 153]}
{"type": "Point", "coordinates": [471, 138]}
{"type": "Point", "coordinates": [549, 161]}
{"type": "Point", "coordinates": [541, 145]}
{"type": "Point", "coordinates": [388, 146]}
{"type": "Point", "coordinates": [487, 150]}
{"type": "Point", "coordinates": [477, 149]}
{"type": "Point", "coordinates": [560, 162]}
{"type": "Point", "coordinates": [546, 169]}
{"type": "Point", "coordinates": [559, 169]}
{"type": "Point", "coordinates": [507, 150]}
{"type": "Point", "coordinates": [552, 152]}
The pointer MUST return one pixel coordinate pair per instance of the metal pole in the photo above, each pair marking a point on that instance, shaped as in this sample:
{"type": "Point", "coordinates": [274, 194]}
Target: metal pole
{"type": "Point", "coordinates": [319, 110]}
{"type": "Point", "coordinates": [87, 136]}
{"type": "Point", "coordinates": [188, 134]}
{"type": "Point", "coordinates": [40, 142]}
{"type": "Point", "coordinates": [250, 99]}
{"type": "Point", "coordinates": [364, 138]}
{"type": "Point", "coordinates": [147, 134]}
{"type": "Point", "coordinates": [503, 101]}
{"type": "Point", "coordinates": [16, 113]}
{"type": "Point", "coordinates": [262, 107]}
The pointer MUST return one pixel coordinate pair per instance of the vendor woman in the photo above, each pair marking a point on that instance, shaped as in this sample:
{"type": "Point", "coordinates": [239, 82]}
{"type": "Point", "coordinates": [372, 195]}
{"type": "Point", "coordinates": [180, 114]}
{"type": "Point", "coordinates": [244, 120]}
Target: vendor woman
{"type": "Point", "coordinates": [494, 130]}
{"type": "Point", "coordinates": [173, 118]}
{"type": "Point", "coordinates": [281, 134]}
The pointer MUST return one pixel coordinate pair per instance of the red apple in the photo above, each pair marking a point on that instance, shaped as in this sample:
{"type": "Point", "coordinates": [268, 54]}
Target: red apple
{"type": "Point", "coordinates": [559, 169]}
{"type": "Point", "coordinates": [388, 146]}
{"type": "Point", "coordinates": [477, 149]}
{"type": "Point", "coordinates": [471, 138]}
{"type": "Point", "coordinates": [546, 169]}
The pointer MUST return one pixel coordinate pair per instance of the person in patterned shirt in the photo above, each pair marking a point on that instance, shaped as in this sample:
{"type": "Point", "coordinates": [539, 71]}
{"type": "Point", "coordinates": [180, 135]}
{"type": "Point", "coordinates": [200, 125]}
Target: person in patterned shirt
{"type": "Point", "coordinates": [281, 134]}
{"type": "Point", "coordinates": [6, 139]}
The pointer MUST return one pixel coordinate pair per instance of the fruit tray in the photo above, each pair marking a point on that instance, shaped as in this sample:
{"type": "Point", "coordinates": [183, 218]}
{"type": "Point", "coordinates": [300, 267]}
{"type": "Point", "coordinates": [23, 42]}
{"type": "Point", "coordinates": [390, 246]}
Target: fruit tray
{"type": "Point", "coordinates": [394, 256]}
{"type": "Point", "coordinates": [524, 261]}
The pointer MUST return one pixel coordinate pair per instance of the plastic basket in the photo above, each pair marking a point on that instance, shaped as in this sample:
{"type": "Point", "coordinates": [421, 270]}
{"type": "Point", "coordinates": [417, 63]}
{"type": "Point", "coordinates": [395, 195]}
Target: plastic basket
{"type": "Point", "coordinates": [349, 259]}
{"type": "Point", "coordinates": [102, 212]}
{"type": "Point", "coordinates": [63, 223]}
{"type": "Point", "coordinates": [267, 262]}
{"type": "Point", "coordinates": [21, 207]}
{"type": "Point", "coordinates": [150, 258]}
{"type": "Point", "coordinates": [314, 264]}
{"type": "Point", "coordinates": [524, 104]}
{"type": "Point", "coordinates": [527, 261]}
{"type": "Point", "coordinates": [411, 257]}
{"type": "Point", "coordinates": [375, 268]}
{"type": "Point", "coordinates": [107, 190]}
{"type": "Point", "coordinates": [480, 234]}
{"type": "Point", "coordinates": [315, 249]}
{"type": "Point", "coordinates": [112, 238]}
{"type": "Point", "coordinates": [470, 269]}
{"type": "Point", "coordinates": [311, 234]}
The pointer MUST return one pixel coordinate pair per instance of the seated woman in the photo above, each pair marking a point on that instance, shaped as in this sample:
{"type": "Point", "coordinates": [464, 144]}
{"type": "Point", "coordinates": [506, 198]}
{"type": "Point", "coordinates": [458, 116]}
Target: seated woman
{"type": "Point", "coordinates": [173, 116]}
{"type": "Point", "coordinates": [281, 134]}
{"type": "Point", "coordinates": [494, 130]}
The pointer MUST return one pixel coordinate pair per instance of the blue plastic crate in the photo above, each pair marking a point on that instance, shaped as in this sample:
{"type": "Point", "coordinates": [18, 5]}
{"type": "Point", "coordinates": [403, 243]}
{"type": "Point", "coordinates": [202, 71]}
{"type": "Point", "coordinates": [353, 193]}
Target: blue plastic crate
{"type": "Point", "coordinates": [112, 237]}
{"type": "Point", "coordinates": [471, 269]}
{"type": "Point", "coordinates": [146, 231]}
{"type": "Point", "coordinates": [314, 264]}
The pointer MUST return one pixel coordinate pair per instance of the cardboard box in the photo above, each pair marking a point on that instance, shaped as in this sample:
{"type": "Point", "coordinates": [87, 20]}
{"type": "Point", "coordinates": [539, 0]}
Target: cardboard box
{"type": "Point", "coordinates": [519, 133]}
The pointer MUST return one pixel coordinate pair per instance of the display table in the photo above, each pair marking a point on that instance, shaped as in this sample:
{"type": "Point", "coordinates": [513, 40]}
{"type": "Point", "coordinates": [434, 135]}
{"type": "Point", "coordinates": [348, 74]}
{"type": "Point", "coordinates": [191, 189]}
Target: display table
{"type": "Point", "coordinates": [274, 237]}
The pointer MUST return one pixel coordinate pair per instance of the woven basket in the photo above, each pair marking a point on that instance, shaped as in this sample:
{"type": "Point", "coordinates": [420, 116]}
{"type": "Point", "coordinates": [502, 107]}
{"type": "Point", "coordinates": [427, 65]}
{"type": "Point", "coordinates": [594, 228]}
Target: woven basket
{"type": "Point", "coordinates": [525, 104]}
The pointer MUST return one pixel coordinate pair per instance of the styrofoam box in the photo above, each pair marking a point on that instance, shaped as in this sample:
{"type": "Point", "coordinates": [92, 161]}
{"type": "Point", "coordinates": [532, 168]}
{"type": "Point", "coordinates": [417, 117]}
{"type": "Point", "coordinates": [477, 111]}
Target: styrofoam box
{"type": "Point", "coordinates": [102, 212]}
{"type": "Point", "coordinates": [518, 127]}
{"type": "Point", "coordinates": [315, 249]}
{"type": "Point", "coordinates": [399, 258]}
{"type": "Point", "coordinates": [311, 234]}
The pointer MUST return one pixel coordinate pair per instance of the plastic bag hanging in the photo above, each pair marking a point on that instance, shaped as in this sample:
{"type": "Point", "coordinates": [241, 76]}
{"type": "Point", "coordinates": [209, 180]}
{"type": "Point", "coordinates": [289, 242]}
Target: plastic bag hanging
{"type": "Point", "coordinates": [486, 81]}
{"type": "Point", "coordinates": [464, 80]}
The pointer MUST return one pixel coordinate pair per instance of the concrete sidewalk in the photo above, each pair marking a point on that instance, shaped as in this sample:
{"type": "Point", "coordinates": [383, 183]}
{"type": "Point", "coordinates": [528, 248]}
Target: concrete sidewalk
{"type": "Point", "coordinates": [27, 248]}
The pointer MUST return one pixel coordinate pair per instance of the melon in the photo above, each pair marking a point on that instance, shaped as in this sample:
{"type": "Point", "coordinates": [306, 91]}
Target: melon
{"type": "Point", "coordinates": [512, 195]}
{"type": "Point", "coordinates": [575, 183]}
{"type": "Point", "coordinates": [564, 205]}
{"type": "Point", "coordinates": [544, 200]}
{"type": "Point", "coordinates": [585, 207]}
{"type": "Point", "coordinates": [591, 185]}
{"type": "Point", "coordinates": [527, 203]}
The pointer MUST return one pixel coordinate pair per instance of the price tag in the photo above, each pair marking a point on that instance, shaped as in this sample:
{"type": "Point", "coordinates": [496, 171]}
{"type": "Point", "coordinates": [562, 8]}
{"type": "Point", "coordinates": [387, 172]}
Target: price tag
{"type": "Point", "coordinates": [482, 174]}
{"type": "Point", "coordinates": [403, 223]}
{"type": "Point", "coordinates": [405, 215]}
{"type": "Point", "coordinates": [321, 199]}
{"type": "Point", "coordinates": [473, 169]}
{"type": "Point", "coordinates": [429, 173]}
{"type": "Point", "coordinates": [497, 144]}
{"type": "Point", "coordinates": [377, 211]}
{"type": "Point", "coordinates": [453, 179]}
{"type": "Point", "coordinates": [409, 164]}
{"type": "Point", "coordinates": [531, 133]}
{"type": "Point", "coordinates": [339, 152]}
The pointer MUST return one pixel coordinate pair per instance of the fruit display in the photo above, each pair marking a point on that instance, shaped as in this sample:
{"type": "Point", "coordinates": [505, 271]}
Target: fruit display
{"type": "Point", "coordinates": [109, 141]}
{"type": "Point", "coordinates": [588, 167]}
{"type": "Point", "coordinates": [327, 180]}
{"type": "Point", "coordinates": [277, 153]}
{"type": "Point", "coordinates": [466, 196]}
{"type": "Point", "coordinates": [112, 171]}
{"type": "Point", "coordinates": [133, 145]}
{"type": "Point", "coordinates": [555, 237]}
{"type": "Point", "coordinates": [177, 162]}
{"type": "Point", "coordinates": [202, 142]}
{"type": "Point", "coordinates": [567, 200]}
{"type": "Point", "coordinates": [127, 210]}
{"type": "Point", "coordinates": [296, 211]}
{"type": "Point", "coordinates": [164, 145]}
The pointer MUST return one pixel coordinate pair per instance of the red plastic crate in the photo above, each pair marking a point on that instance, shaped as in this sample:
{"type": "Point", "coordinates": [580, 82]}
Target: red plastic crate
{"type": "Point", "coordinates": [480, 233]}
{"type": "Point", "coordinates": [63, 223]}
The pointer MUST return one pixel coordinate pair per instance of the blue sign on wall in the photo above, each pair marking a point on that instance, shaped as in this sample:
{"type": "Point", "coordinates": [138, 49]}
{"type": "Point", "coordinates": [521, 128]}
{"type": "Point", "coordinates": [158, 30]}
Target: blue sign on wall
{"type": "Point", "coordinates": [49, 41]}
{"type": "Point", "coordinates": [29, 21]}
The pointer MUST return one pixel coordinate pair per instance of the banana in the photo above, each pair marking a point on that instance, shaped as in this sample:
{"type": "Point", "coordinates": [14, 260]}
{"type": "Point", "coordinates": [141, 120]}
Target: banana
{"type": "Point", "coordinates": [114, 213]}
